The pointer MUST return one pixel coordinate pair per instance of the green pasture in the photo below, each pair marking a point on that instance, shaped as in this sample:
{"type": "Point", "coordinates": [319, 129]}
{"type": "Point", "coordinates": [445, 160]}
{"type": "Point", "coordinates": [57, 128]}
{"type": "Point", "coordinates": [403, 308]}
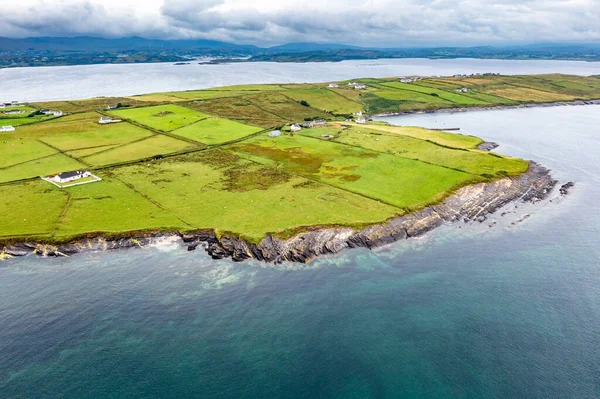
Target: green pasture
{"type": "Point", "coordinates": [216, 130]}
{"type": "Point", "coordinates": [218, 190]}
{"type": "Point", "coordinates": [284, 107]}
{"type": "Point", "coordinates": [446, 95]}
{"type": "Point", "coordinates": [325, 100]}
{"type": "Point", "coordinates": [239, 109]}
{"type": "Point", "coordinates": [442, 138]}
{"type": "Point", "coordinates": [19, 150]}
{"type": "Point", "coordinates": [402, 182]}
{"type": "Point", "coordinates": [39, 167]}
{"type": "Point", "coordinates": [471, 161]}
{"type": "Point", "coordinates": [30, 209]}
{"type": "Point", "coordinates": [110, 206]}
{"type": "Point", "coordinates": [100, 135]}
{"type": "Point", "coordinates": [161, 117]}
{"type": "Point", "coordinates": [149, 147]}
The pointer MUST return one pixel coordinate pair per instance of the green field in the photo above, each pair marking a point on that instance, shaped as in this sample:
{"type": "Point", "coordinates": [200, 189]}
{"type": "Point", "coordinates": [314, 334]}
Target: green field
{"type": "Point", "coordinates": [161, 117]}
{"type": "Point", "coordinates": [325, 100]}
{"type": "Point", "coordinates": [216, 131]}
{"type": "Point", "coordinates": [203, 159]}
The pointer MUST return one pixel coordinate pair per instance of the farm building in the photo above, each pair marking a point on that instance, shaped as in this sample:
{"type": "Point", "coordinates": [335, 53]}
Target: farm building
{"type": "Point", "coordinates": [106, 119]}
{"type": "Point", "coordinates": [316, 122]}
{"type": "Point", "coordinates": [295, 128]}
{"type": "Point", "coordinates": [7, 128]}
{"type": "Point", "coordinates": [275, 133]}
{"type": "Point", "coordinates": [361, 120]}
{"type": "Point", "coordinates": [334, 85]}
{"type": "Point", "coordinates": [13, 112]}
{"type": "Point", "coordinates": [66, 177]}
{"type": "Point", "coordinates": [360, 87]}
{"type": "Point", "coordinates": [51, 112]}
{"type": "Point", "coordinates": [463, 90]}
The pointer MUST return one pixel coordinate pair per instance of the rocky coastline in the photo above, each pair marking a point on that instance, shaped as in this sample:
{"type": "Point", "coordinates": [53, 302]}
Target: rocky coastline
{"type": "Point", "coordinates": [471, 203]}
{"type": "Point", "coordinates": [487, 108]}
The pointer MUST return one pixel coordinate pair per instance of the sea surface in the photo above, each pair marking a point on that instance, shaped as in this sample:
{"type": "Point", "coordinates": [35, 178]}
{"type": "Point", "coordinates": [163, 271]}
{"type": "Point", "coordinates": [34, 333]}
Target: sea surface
{"type": "Point", "coordinates": [86, 81]}
{"type": "Point", "coordinates": [467, 311]}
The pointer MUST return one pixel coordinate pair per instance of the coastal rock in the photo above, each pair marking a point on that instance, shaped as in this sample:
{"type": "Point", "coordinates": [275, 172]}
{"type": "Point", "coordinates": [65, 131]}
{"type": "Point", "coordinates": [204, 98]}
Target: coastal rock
{"type": "Point", "coordinates": [487, 146]}
{"type": "Point", "coordinates": [566, 188]}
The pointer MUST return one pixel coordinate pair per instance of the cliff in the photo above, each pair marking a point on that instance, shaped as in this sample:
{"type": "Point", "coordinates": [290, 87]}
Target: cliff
{"type": "Point", "coordinates": [470, 203]}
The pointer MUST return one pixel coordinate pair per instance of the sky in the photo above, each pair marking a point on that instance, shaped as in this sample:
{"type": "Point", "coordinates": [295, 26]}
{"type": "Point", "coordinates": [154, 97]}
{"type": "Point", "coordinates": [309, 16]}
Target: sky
{"type": "Point", "coordinates": [269, 22]}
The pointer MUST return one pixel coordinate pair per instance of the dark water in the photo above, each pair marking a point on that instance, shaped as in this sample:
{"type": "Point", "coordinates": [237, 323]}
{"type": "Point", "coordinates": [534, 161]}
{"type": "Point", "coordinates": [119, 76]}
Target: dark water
{"type": "Point", "coordinates": [511, 311]}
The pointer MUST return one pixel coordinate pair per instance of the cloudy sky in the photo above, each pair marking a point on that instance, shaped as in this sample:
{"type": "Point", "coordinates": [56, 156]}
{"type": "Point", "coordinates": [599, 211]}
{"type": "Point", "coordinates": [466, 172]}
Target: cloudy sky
{"type": "Point", "coordinates": [268, 22]}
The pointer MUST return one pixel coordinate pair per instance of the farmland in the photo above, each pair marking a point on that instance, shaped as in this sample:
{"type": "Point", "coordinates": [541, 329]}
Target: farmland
{"type": "Point", "coordinates": [203, 159]}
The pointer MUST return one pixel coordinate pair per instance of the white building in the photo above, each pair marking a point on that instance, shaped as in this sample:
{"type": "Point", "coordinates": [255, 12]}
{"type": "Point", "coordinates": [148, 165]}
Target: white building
{"type": "Point", "coordinates": [51, 112]}
{"type": "Point", "coordinates": [361, 120]}
{"type": "Point", "coordinates": [7, 128]}
{"type": "Point", "coordinates": [463, 90]}
{"type": "Point", "coordinates": [295, 128]}
{"type": "Point", "coordinates": [360, 87]}
{"type": "Point", "coordinates": [334, 85]}
{"type": "Point", "coordinates": [359, 113]}
{"type": "Point", "coordinates": [105, 119]}
{"type": "Point", "coordinates": [275, 133]}
{"type": "Point", "coordinates": [66, 177]}
{"type": "Point", "coordinates": [13, 112]}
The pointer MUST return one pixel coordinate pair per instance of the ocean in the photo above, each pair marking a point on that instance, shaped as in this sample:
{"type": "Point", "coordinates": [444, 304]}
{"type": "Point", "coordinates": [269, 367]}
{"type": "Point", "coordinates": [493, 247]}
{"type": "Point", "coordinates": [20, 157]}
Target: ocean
{"type": "Point", "coordinates": [466, 311]}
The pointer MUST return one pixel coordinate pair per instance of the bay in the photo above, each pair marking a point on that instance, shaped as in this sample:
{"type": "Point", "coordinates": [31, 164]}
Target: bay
{"type": "Point", "coordinates": [86, 81]}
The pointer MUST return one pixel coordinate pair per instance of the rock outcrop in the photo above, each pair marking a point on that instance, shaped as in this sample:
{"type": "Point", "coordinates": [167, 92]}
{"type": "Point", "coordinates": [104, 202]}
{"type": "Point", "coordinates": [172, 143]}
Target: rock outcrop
{"type": "Point", "coordinates": [470, 203]}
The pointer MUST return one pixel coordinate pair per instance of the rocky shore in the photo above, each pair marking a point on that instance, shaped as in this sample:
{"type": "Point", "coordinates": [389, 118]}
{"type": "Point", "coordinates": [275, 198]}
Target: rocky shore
{"type": "Point", "coordinates": [470, 203]}
{"type": "Point", "coordinates": [487, 108]}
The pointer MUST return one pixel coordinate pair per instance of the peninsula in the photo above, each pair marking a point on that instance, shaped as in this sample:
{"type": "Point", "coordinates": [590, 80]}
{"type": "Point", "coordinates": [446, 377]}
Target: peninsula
{"type": "Point", "coordinates": [276, 172]}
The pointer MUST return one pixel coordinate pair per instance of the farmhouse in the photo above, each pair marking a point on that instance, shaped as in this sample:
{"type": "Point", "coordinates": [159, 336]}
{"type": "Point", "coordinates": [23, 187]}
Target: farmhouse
{"type": "Point", "coordinates": [463, 90]}
{"type": "Point", "coordinates": [7, 128]}
{"type": "Point", "coordinates": [13, 112]}
{"type": "Point", "coordinates": [361, 120]}
{"type": "Point", "coordinates": [295, 128]}
{"type": "Point", "coordinates": [275, 133]}
{"type": "Point", "coordinates": [51, 112]}
{"type": "Point", "coordinates": [316, 122]}
{"type": "Point", "coordinates": [360, 87]}
{"type": "Point", "coordinates": [334, 85]}
{"type": "Point", "coordinates": [66, 177]}
{"type": "Point", "coordinates": [105, 119]}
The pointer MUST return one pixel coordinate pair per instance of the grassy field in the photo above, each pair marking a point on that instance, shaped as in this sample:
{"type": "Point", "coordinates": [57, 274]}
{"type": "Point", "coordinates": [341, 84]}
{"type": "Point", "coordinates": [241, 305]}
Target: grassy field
{"type": "Point", "coordinates": [216, 131]}
{"type": "Point", "coordinates": [219, 190]}
{"type": "Point", "coordinates": [161, 117]}
{"type": "Point", "coordinates": [471, 161]}
{"type": "Point", "coordinates": [325, 100]}
{"type": "Point", "coordinates": [203, 159]}
{"type": "Point", "coordinates": [401, 182]}
{"type": "Point", "coordinates": [149, 147]}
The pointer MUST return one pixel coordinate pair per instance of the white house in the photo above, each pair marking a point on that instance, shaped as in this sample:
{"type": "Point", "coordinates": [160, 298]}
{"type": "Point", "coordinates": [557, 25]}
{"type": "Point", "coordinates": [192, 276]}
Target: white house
{"type": "Point", "coordinates": [51, 112]}
{"type": "Point", "coordinates": [13, 112]}
{"type": "Point", "coordinates": [361, 120]}
{"type": "Point", "coordinates": [66, 177]}
{"type": "Point", "coordinates": [463, 90]}
{"type": "Point", "coordinates": [7, 128]}
{"type": "Point", "coordinates": [360, 87]}
{"type": "Point", "coordinates": [334, 85]}
{"type": "Point", "coordinates": [352, 84]}
{"type": "Point", "coordinates": [359, 113]}
{"type": "Point", "coordinates": [106, 119]}
{"type": "Point", "coordinates": [295, 128]}
{"type": "Point", "coordinates": [275, 133]}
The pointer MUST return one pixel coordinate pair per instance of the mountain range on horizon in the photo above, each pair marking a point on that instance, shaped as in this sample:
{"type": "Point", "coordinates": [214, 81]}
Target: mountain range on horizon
{"type": "Point", "coordinates": [81, 50]}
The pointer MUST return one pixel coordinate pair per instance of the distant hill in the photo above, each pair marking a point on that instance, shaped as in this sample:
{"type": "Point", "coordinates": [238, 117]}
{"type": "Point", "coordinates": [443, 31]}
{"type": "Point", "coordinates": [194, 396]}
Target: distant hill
{"type": "Point", "coordinates": [82, 50]}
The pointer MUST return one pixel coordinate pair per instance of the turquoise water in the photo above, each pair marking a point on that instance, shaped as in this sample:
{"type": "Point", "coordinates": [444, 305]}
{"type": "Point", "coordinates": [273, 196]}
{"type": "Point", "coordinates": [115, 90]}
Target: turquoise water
{"type": "Point", "coordinates": [468, 311]}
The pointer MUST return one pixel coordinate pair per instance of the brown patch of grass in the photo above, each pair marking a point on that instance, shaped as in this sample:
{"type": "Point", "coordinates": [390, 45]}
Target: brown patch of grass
{"type": "Point", "coordinates": [258, 179]}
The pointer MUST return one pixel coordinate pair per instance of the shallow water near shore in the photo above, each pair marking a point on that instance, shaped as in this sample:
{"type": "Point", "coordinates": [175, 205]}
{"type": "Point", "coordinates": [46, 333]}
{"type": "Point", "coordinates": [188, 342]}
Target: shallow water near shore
{"type": "Point", "coordinates": [467, 311]}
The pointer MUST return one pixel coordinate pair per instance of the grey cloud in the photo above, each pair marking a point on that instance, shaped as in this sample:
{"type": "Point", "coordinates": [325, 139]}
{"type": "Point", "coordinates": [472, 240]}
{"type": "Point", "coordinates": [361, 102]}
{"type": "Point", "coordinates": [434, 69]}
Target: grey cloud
{"type": "Point", "coordinates": [376, 22]}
